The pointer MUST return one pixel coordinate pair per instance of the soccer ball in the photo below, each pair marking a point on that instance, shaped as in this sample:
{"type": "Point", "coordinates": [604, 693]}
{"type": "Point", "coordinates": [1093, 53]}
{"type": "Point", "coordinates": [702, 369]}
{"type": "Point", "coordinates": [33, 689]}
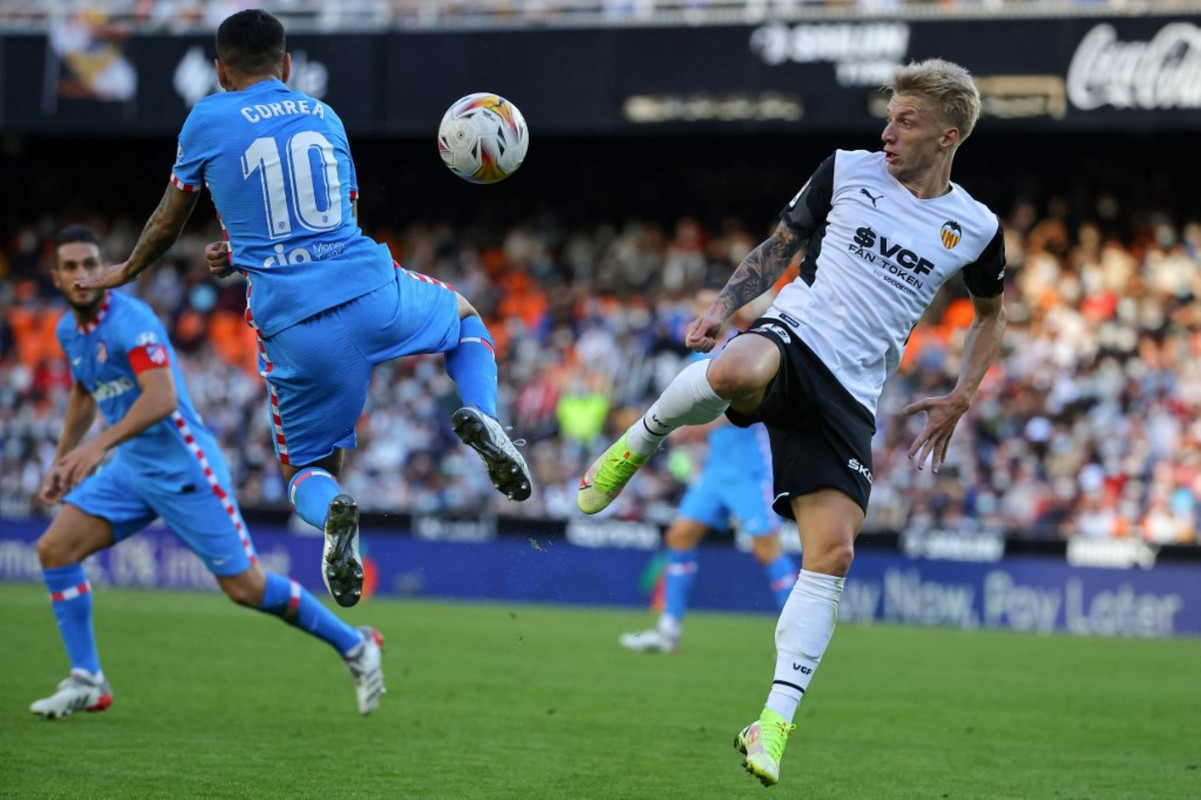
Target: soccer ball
{"type": "Point", "coordinates": [483, 138]}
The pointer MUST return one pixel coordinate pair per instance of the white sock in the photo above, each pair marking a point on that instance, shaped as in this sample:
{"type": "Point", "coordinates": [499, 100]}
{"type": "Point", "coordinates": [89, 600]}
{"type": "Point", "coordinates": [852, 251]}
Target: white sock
{"type": "Point", "coordinates": [802, 635]}
{"type": "Point", "coordinates": [687, 400]}
{"type": "Point", "coordinates": [669, 626]}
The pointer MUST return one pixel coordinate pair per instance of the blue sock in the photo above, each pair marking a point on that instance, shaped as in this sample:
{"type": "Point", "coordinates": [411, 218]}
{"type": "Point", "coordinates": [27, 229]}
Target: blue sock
{"type": "Point", "coordinates": [681, 572]}
{"type": "Point", "coordinates": [288, 600]}
{"type": "Point", "coordinates": [781, 575]}
{"type": "Point", "coordinates": [310, 491]}
{"type": "Point", "coordinates": [71, 599]}
{"type": "Point", "coordinates": [472, 365]}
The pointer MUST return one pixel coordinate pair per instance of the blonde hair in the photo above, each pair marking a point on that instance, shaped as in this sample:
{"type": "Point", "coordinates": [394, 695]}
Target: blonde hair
{"type": "Point", "coordinates": [949, 86]}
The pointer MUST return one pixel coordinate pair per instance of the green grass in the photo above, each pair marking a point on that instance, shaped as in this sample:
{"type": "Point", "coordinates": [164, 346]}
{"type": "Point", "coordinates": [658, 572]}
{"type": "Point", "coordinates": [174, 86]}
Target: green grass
{"type": "Point", "coordinates": [498, 701]}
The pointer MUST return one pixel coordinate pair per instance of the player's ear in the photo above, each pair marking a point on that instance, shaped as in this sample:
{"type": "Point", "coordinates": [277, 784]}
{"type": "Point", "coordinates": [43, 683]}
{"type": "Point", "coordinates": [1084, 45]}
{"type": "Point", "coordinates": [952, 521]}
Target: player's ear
{"type": "Point", "coordinates": [287, 68]}
{"type": "Point", "coordinates": [950, 138]}
{"type": "Point", "coordinates": [222, 74]}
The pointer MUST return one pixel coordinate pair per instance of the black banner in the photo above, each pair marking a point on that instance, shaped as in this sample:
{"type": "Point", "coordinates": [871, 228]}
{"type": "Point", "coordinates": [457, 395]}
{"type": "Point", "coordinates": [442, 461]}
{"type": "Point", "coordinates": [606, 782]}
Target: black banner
{"type": "Point", "coordinates": [1092, 73]}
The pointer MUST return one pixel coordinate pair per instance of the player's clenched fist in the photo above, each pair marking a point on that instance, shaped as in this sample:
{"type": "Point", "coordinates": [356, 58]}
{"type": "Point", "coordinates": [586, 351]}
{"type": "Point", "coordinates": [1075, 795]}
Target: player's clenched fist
{"type": "Point", "coordinates": [52, 487]}
{"type": "Point", "coordinates": [216, 254]}
{"type": "Point", "coordinates": [702, 332]}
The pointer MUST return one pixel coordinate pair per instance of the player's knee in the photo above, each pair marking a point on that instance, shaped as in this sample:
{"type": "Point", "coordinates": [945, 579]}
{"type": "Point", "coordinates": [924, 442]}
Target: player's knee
{"type": "Point", "coordinates": [832, 558]}
{"type": "Point", "coordinates": [242, 595]}
{"type": "Point", "coordinates": [246, 589]}
{"type": "Point", "coordinates": [732, 378]}
{"type": "Point", "coordinates": [54, 551]}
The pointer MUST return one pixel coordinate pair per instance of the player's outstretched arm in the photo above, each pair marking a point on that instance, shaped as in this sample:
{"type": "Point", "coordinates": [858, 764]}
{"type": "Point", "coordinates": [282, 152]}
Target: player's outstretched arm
{"type": "Point", "coordinates": [757, 273]}
{"type": "Point", "coordinates": [980, 348]}
{"type": "Point", "coordinates": [161, 231]}
{"type": "Point", "coordinates": [81, 413]}
{"type": "Point", "coordinates": [156, 403]}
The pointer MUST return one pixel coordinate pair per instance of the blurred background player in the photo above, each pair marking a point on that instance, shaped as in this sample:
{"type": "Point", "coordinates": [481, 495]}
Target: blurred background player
{"type": "Point", "coordinates": [734, 484]}
{"type": "Point", "coordinates": [884, 231]}
{"type": "Point", "coordinates": [167, 466]}
{"type": "Point", "coordinates": [327, 302]}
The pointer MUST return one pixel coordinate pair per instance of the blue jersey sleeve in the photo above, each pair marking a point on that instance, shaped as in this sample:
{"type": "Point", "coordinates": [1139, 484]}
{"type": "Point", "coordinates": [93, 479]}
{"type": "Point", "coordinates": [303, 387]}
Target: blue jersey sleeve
{"type": "Point", "coordinates": [141, 333]}
{"type": "Point", "coordinates": [188, 172]}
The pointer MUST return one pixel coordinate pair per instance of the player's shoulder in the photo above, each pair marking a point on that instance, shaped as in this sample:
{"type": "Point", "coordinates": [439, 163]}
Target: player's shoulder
{"type": "Point", "coordinates": [859, 157]}
{"type": "Point", "coordinates": [858, 166]}
{"type": "Point", "coordinates": [207, 107]}
{"type": "Point", "coordinates": [128, 311]}
{"type": "Point", "coordinates": [979, 212]}
{"type": "Point", "coordinates": [66, 329]}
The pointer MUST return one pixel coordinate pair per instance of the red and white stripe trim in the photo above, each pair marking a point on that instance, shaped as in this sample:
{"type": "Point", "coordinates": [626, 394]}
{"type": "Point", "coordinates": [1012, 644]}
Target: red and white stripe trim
{"type": "Point", "coordinates": [276, 421]}
{"type": "Point", "coordinates": [477, 339]}
{"type": "Point", "coordinates": [303, 476]}
{"type": "Point", "coordinates": [91, 326]}
{"type": "Point", "coordinates": [417, 276]}
{"type": "Point", "coordinates": [183, 187]}
{"type": "Point", "coordinates": [294, 600]}
{"type": "Point", "coordinates": [71, 593]}
{"type": "Point", "coordinates": [226, 501]}
{"type": "Point", "coordinates": [278, 424]}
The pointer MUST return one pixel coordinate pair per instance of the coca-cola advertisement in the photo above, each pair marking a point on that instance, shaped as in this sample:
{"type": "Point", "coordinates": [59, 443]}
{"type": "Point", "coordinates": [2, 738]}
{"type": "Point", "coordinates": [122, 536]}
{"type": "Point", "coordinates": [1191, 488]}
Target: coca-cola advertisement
{"type": "Point", "coordinates": [1162, 72]}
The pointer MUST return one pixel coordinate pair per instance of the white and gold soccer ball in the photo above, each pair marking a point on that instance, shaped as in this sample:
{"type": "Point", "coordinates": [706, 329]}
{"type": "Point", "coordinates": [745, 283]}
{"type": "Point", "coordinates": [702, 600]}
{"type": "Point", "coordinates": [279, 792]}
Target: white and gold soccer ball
{"type": "Point", "coordinates": [483, 138]}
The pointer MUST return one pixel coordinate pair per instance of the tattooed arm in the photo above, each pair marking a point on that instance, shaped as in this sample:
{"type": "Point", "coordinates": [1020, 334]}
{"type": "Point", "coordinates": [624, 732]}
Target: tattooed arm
{"type": "Point", "coordinates": [757, 273]}
{"type": "Point", "coordinates": [799, 221]}
{"type": "Point", "coordinates": [161, 231]}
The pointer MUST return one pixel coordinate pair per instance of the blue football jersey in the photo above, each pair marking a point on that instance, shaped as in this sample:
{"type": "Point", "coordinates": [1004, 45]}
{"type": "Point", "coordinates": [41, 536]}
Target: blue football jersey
{"type": "Point", "coordinates": [278, 167]}
{"type": "Point", "coordinates": [106, 357]}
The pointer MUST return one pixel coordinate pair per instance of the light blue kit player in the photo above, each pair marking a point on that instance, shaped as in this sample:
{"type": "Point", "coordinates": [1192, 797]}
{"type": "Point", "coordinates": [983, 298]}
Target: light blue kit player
{"type": "Point", "coordinates": [167, 465]}
{"type": "Point", "coordinates": [734, 485]}
{"type": "Point", "coordinates": [326, 302]}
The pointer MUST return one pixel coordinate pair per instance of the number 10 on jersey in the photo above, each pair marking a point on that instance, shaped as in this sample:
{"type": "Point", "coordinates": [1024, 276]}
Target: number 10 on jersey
{"type": "Point", "coordinates": [263, 157]}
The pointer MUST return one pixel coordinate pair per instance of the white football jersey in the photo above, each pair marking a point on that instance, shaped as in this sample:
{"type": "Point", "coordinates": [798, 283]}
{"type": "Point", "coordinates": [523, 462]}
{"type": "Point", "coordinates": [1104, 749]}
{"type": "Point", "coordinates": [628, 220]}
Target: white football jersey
{"type": "Point", "coordinates": [877, 256]}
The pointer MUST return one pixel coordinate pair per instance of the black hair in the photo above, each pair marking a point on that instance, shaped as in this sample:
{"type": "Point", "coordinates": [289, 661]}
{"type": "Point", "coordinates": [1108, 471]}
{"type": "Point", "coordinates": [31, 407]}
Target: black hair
{"type": "Point", "coordinates": [76, 233]}
{"type": "Point", "coordinates": [251, 42]}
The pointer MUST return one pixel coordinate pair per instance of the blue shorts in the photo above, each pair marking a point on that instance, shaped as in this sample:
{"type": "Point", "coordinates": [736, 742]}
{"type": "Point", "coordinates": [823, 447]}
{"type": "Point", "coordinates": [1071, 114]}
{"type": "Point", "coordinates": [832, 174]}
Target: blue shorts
{"type": "Point", "coordinates": [318, 370]}
{"type": "Point", "coordinates": [715, 498]}
{"type": "Point", "coordinates": [199, 510]}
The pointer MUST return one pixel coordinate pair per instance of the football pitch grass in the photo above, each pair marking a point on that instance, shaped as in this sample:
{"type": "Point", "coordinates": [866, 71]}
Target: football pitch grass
{"type": "Point", "coordinates": [509, 701]}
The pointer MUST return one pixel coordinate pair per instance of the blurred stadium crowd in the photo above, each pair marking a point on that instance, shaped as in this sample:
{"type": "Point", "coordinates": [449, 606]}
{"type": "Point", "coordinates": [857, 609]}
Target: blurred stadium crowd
{"type": "Point", "coordinates": [1090, 424]}
{"type": "Point", "coordinates": [191, 15]}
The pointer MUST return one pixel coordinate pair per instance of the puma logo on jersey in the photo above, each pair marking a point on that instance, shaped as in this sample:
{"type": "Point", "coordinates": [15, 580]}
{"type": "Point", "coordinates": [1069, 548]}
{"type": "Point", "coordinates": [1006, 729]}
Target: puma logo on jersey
{"type": "Point", "coordinates": [870, 197]}
{"type": "Point", "coordinates": [867, 239]}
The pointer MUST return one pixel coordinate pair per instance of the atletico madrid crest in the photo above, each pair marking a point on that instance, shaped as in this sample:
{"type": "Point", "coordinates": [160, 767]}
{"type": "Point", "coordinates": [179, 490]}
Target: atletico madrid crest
{"type": "Point", "coordinates": [951, 234]}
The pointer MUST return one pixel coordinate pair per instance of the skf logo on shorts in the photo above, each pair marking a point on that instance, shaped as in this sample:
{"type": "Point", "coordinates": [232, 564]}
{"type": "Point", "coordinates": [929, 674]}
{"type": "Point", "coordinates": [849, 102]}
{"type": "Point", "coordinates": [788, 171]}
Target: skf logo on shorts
{"type": "Point", "coordinates": [951, 234]}
{"type": "Point", "coordinates": [101, 353]}
{"type": "Point", "coordinates": [862, 469]}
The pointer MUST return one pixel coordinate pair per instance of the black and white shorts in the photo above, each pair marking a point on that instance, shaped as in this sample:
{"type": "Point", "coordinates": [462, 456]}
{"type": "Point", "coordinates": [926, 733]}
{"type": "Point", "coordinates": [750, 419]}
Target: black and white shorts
{"type": "Point", "coordinates": [821, 436]}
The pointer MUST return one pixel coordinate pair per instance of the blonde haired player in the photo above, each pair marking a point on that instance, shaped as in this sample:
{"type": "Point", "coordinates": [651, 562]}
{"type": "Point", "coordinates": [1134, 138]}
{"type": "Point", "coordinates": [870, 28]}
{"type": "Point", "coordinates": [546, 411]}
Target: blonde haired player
{"type": "Point", "coordinates": [884, 230]}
